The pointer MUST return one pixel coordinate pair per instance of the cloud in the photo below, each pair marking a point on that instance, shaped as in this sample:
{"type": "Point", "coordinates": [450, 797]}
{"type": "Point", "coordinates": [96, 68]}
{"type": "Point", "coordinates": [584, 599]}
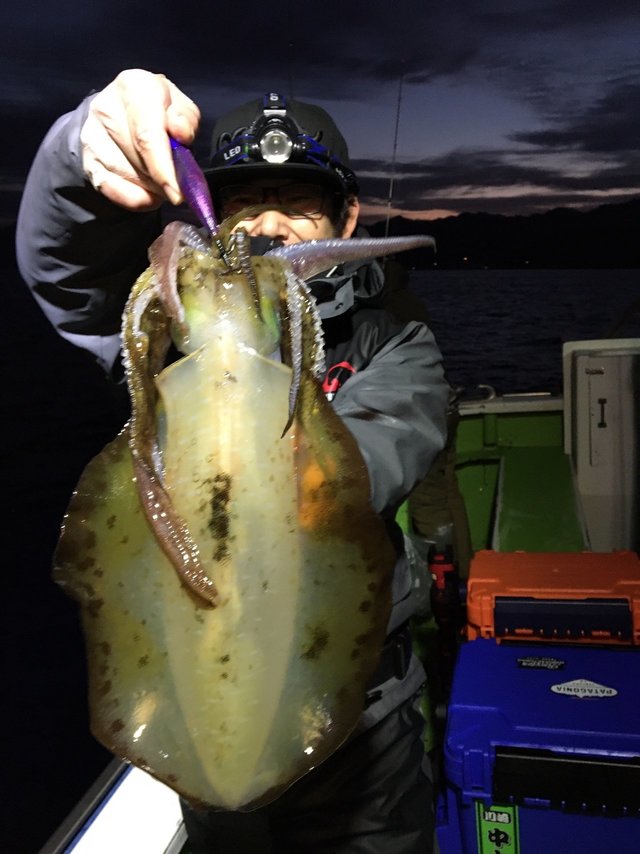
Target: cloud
{"type": "Point", "coordinates": [610, 125]}
{"type": "Point", "coordinates": [501, 181]}
{"type": "Point", "coordinates": [583, 150]}
{"type": "Point", "coordinates": [566, 73]}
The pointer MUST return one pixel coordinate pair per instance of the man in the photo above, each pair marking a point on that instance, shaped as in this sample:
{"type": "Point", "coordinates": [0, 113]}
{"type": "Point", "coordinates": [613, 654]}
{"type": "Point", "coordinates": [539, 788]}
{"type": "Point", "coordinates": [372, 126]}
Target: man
{"type": "Point", "coordinates": [89, 212]}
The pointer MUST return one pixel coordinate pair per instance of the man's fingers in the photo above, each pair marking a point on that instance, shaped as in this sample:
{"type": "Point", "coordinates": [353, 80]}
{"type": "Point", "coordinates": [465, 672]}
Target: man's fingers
{"type": "Point", "coordinates": [155, 108]}
{"type": "Point", "coordinates": [146, 98]}
{"type": "Point", "coordinates": [111, 173]}
{"type": "Point", "coordinates": [183, 115]}
{"type": "Point", "coordinates": [125, 138]}
{"type": "Point", "coordinates": [131, 196]}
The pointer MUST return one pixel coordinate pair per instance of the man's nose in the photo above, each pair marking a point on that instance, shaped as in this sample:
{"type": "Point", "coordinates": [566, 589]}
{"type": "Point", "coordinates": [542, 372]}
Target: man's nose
{"type": "Point", "coordinates": [273, 224]}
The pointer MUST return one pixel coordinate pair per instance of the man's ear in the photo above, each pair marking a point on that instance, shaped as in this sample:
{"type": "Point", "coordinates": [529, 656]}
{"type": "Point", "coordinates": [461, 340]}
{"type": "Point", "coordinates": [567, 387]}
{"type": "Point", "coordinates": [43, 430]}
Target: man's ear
{"type": "Point", "coordinates": [351, 219]}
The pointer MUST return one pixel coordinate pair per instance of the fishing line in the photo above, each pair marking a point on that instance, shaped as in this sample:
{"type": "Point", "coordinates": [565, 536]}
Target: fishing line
{"type": "Point", "coordinates": [394, 155]}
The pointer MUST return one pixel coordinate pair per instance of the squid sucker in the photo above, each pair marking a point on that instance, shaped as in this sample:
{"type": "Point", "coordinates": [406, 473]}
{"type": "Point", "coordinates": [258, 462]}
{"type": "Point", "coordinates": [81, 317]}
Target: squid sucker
{"type": "Point", "coordinates": [233, 579]}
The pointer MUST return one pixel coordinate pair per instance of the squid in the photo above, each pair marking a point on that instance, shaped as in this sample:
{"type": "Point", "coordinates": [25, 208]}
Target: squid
{"type": "Point", "coordinates": [233, 579]}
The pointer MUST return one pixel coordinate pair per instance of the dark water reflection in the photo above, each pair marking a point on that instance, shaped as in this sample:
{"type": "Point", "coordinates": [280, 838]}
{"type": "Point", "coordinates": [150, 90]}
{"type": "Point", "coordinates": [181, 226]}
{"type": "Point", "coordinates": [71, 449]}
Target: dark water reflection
{"type": "Point", "coordinates": [506, 327]}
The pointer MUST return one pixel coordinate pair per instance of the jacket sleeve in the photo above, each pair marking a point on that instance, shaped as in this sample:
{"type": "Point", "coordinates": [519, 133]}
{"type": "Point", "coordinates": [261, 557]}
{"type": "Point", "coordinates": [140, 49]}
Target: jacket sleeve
{"type": "Point", "coordinates": [396, 409]}
{"type": "Point", "coordinates": [78, 252]}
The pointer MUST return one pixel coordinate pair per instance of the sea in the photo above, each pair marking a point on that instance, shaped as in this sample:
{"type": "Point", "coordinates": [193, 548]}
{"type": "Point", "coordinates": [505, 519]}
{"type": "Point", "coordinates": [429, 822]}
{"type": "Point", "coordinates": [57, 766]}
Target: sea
{"type": "Point", "coordinates": [504, 328]}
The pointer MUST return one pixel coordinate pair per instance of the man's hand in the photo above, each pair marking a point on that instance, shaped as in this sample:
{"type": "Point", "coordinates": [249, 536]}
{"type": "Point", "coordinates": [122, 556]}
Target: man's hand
{"type": "Point", "coordinates": [125, 140]}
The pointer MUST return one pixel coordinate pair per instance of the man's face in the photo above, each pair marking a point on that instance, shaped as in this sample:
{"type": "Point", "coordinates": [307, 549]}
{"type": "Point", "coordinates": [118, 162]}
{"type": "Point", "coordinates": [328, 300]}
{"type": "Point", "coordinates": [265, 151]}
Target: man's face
{"type": "Point", "coordinates": [302, 211]}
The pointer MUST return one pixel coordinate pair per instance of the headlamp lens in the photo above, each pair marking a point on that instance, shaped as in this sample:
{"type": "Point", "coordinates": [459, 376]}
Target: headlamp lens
{"type": "Point", "coordinates": [276, 146]}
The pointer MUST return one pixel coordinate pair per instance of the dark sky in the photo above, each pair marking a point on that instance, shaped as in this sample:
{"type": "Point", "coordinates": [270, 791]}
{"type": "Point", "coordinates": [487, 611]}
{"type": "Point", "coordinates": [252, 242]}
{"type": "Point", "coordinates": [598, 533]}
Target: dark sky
{"type": "Point", "coordinates": [508, 106]}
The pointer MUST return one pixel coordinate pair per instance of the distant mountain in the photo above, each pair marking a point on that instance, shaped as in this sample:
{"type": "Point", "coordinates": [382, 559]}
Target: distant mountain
{"type": "Point", "coordinates": [605, 238]}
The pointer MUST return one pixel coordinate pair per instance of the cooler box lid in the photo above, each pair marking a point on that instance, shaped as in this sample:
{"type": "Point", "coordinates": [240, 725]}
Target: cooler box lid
{"type": "Point", "coordinates": [586, 597]}
{"type": "Point", "coordinates": [549, 725]}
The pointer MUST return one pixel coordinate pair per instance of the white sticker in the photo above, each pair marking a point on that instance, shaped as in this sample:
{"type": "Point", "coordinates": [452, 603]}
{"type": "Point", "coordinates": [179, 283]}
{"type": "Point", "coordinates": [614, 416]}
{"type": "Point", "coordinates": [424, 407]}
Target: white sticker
{"type": "Point", "coordinates": [583, 689]}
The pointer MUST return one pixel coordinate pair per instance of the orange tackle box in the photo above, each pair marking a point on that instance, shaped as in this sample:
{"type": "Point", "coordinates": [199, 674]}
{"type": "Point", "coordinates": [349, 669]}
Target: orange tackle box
{"type": "Point", "coordinates": [576, 597]}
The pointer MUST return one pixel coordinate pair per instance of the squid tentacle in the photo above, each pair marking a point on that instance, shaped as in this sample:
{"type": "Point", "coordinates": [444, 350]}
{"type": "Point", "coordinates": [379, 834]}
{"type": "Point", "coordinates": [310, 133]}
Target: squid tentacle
{"type": "Point", "coordinates": [243, 249]}
{"type": "Point", "coordinates": [306, 343]}
{"type": "Point", "coordinates": [152, 303]}
{"type": "Point", "coordinates": [313, 256]}
{"type": "Point", "coordinates": [164, 254]}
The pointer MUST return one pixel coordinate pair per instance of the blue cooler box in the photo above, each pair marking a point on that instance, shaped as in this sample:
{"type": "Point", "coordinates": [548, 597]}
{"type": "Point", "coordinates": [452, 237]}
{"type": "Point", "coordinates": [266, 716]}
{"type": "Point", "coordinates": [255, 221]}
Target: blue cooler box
{"type": "Point", "coordinates": [542, 751]}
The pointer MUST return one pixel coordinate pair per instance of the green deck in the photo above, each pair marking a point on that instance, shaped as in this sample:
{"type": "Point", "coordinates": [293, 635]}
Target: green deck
{"type": "Point", "coordinates": [516, 480]}
{"type": "Point", "coordinates": [536, 508]}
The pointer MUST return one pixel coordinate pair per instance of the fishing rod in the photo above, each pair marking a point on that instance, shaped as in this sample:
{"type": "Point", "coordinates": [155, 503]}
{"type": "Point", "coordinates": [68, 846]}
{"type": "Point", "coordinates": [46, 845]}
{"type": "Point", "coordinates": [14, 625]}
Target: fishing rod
{"type": "Point", "coordinates": [394, 155]}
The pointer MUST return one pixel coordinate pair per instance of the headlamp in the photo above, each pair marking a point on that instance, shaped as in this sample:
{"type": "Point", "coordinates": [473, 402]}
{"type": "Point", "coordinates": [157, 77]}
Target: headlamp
{"type": "Point", "coordinates": [276, 138]}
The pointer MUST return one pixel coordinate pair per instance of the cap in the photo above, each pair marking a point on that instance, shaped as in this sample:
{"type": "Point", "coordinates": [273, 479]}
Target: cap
{"type": "Point", "coordinates": [299, 140]}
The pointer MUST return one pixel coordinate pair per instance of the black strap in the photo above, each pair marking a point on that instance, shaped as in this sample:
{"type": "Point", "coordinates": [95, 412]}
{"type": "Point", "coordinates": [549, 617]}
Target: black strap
{"type": "Point", "coordinates": [394, 660]}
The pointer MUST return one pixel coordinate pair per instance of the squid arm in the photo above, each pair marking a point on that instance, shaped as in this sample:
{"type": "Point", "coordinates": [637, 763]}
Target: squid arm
{"type": "Point", "coordinates": [313, 256]}
{"type": "Point", "coordinates": [307, 259]}
{"type": "Point", "coordinates": [153, 303]}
